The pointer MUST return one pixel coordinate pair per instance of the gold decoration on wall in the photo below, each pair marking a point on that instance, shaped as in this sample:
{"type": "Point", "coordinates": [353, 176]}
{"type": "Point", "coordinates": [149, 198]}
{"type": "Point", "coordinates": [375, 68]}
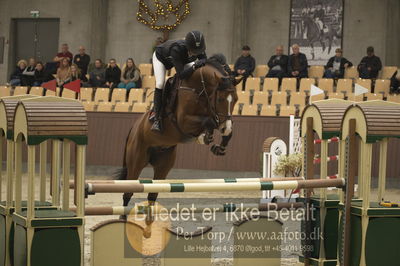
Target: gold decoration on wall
{"type": "Point", "coordinates": [162, 15]}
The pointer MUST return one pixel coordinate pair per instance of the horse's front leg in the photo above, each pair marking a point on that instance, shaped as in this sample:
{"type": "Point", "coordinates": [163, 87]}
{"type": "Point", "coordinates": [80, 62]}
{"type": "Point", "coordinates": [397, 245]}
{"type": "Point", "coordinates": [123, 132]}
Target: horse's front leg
{"type": "Point", "coordinates": [226, 130]}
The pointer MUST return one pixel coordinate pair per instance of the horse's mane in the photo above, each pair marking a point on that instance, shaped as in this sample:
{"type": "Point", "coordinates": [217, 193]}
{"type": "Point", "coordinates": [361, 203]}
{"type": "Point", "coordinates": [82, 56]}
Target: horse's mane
{"type": "Point", "coordinates": [217, 65]}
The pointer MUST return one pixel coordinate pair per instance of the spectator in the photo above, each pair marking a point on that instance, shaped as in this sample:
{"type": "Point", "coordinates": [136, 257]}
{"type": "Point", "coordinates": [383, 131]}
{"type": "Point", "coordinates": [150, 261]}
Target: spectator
{"type": "Point", "coordinates": [77, 74]}
{"type": "Point", "coordinates": [63, 54]}
{"type": "Point", "coordinates": [297, 65]}
{"type": "Point", "coordinates": [336, 65]}
{"type": "Point", "coordinates": [245, 64]}
{"type": "Point", "coordinates": [130, 77]}
{"type": "Point", "coordinates": [395, 82]}
{"type": "Point", "coordinates": [113, 74]}
{"type": "Point", "coordinates": [16, 76]}
{"type": "Point", "coordinates": [97, 78]}
{"type": "Point", "coordinates": [41, 75]}
{"type": "Point", "coordinates": [278, 64]}
{"type": "Point", "coordinates": [28, 75]}
{"type": "Point", "coordinates": [82, 60]}
{"type": "Point", "coordinates": [63, 72]}
{"type": "Point", "coordinates": [369, 65]}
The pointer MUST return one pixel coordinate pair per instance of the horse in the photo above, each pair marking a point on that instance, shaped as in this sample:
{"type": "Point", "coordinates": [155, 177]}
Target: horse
{"type": "Point", "coordinates": [314, 35]}
{"type": "Point", "coordinates": [204, 103]}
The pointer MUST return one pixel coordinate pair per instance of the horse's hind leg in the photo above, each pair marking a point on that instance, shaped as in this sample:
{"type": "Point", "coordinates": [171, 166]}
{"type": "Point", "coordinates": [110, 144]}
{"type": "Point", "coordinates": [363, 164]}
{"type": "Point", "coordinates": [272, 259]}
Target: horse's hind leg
{"type": "Point", "coordinates": [162, 163]}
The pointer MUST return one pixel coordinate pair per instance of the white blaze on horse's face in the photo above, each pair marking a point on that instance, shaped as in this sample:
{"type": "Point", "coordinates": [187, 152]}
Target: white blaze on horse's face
{"type": "Point", "coordinates": [226, 128]}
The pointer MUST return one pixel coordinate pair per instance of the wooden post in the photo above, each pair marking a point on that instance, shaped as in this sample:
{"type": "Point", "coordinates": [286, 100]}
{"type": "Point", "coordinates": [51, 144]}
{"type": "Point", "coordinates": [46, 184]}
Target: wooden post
{"type": "Point", "coordinates": [10, 172]}
{"type": "Point", "coordinates": [31, 183]}
{"type": "Point", "coordinates": [80, 163]}
{"type": "Point", "coordinates": [55, 173]}
{"type": "Point", "coordinates": [42, 169]}
{"type": "Point", "coordinates": [382, 169]}
{"type": "Point", "coordinates": [18, 176]}
{"type": "Point", "coordinates": [66, 173]}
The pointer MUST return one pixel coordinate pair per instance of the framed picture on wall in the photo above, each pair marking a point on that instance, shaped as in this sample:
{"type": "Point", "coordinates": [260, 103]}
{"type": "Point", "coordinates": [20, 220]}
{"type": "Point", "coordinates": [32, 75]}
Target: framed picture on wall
{"type": "Point", "coordinates": [316, 26]}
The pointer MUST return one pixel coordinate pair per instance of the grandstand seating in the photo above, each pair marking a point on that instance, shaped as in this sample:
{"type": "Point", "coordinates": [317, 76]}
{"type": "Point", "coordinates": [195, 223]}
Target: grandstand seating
{"type": "Point", "coordinates": [5, 91]}
{"type": "Point", "coordinates": [261, 71]}
{"type": "Point", "coordinates": [279, 98]}
{"type": "Point", "coordinates": [38, 91]}
{"type": "Point", "coordinates": [316, 72]}
{"type": "Point", "coordinates": [68, 94]}
{"type": "Point", "coordinates": [260, 97]}
{"type": "Point", "coordinates": [305, 84]}
{"type": "Point", "coordinates": [289, 84]}
{"type": "Point", "coordinates": [118, 95]}
{"type": "Point", "coordinates": [326, 85]}
{"type": "Point", "coordinates": [351, 73]}
{"type": "Point", "coordinates": [252, 84]}
{"type": "Point", "coordinates": [146, 69]}
{"type": "Point", "coordinates": [19, 90]}
{"type": "Point", "coordinates": [249, 110]}
{"type": "Point", "coordinates": [382, 86]}
{"type": "Point", "coordinates": [271, 84]}
{"type": "Point", "coordinates": [102, 95]}
{"type": "Point", "coordinates": [388, 71]}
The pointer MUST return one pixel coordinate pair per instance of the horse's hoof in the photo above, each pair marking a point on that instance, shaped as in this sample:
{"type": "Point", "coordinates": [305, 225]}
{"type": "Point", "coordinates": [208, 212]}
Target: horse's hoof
{"type": "Point", "coordinates": [218, 150]}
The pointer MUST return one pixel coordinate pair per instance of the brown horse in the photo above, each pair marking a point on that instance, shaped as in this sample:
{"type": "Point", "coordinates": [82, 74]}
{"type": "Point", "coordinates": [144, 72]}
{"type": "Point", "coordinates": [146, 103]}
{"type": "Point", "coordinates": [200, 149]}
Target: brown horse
{"type": "Point", "coordinates": [204, 102]}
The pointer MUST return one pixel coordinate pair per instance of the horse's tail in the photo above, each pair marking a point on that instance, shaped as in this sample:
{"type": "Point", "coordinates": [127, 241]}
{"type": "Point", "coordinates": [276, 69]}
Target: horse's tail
{"type": "Point", "coordinates": [122, 173]}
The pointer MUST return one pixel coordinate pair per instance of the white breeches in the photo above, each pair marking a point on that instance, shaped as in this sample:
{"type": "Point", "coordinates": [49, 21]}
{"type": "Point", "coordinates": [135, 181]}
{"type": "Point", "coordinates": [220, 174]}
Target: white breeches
{"type": "Point", "coordinates": [159, 72]}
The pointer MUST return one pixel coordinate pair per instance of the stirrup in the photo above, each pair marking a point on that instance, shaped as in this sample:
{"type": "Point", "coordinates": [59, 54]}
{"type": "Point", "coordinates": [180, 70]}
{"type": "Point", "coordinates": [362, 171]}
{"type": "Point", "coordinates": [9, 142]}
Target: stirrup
{"type": "Point", "coordinates": [156, 125]}
{"type": "Point", "coordinates": [152, 116]}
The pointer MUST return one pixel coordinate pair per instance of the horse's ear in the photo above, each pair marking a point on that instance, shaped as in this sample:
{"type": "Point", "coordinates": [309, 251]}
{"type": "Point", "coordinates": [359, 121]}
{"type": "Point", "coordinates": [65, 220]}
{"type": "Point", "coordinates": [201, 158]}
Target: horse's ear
{"type": "Point", "coordinates": [237, 80]}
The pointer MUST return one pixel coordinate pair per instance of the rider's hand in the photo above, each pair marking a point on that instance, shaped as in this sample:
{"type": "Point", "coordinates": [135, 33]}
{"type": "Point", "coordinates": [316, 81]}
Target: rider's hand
{"type": "Point", "coordinates": [199, 63]}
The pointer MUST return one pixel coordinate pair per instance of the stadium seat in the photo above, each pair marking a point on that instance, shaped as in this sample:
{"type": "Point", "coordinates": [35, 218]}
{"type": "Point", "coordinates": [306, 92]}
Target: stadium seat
{"type": "Point", "coordinates": [373, 96]}
{"type": "Point", "coordinates": [5, 91]}
{"type": "Point", "coordinates": [289, 84]}
{"type": "Point", "coordinates": [316, 72]}
{"type": "Point", "coordinates": [149, 82]}
{"type": "Point", "coordinates": [118, 95]}
{"type": "Point", "coordinates": [104, 107]}
{"type": "Point", "coordinates": [366, 83]}
{"type": "Point", "coordinates": [19, 90]}
{"type": "Point", "coordinates": [253, 84]}
{"type": "Point", "coordinates": [382, 86]}
{"type": "Point", "coordinates": [393, 98]}
{"type": "Point", "coordinates": [135, 95]}
{"type": "Point", "coordinates": [279, 97]}
{"type": "Point", "coordinates": [326, 85]}
{"type": "Point", "coordinates": [68, 94]}
{"type": "Point", "coordinates": [268, 110]}
{"type": "Point", "coordinates": [37, 91]}
{"type": "Point", "coordinates": [297, 98]}
{"type": "Point", "coordinates": [140, 107]}
{"type": "Point", "coordinates": [336, 95]}
{"type": "Point", "coordinates": [388, 71]}
{"type": "Point", "coordinates": [249, 109]}
{"type": "Point", "coordinates": [236, 109]}
{"type": "Point", "coordinates": [351, 73]}
{"type": "Point", "coordinates": [353, 98]}
{"type": "Point", "coordinates": [122, 107]}
{"type": "Point", "coordinates": [315, 98]}
{"type": "Point", "coordinates": [89, 106]}
{"type": "Point", "coordinates": [102, 95]}
{"type": "Point", "coordinates": [287, 111]}
{"type": "Point", "coordinates": [305, 84]}
{"type": "Point", "coordinates": [244, 97]}
{"type": "Point", "coordinates": [271, 84]}
{"type": "Point", "coordinates": [260, 97]}
{"type": "Point", "coordinates": [146, 69]}
{"type": "Point", "coordinates": [344, 85]}
{"type": "Point", "coordinates": [261, 71]}
{"type": "Point", "coordinates": [52, 93]}
{"type": "Point", "coordinates": [86, 94]}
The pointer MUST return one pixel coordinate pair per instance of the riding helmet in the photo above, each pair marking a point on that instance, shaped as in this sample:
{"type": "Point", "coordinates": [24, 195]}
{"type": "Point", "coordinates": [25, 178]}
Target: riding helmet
{"type": "Point", "coordinates": [195, 42]}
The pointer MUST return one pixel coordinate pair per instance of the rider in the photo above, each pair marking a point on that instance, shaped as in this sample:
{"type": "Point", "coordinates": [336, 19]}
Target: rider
{"type": "Point", "coordinates": [175, 53]}
{"type": "Point", "coordinates": [319, 16]}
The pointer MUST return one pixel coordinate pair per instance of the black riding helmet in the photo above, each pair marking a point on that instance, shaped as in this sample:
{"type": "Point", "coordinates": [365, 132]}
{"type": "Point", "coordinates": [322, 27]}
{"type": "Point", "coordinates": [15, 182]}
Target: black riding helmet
{"type": "Point", "coordinates": [195, 42]}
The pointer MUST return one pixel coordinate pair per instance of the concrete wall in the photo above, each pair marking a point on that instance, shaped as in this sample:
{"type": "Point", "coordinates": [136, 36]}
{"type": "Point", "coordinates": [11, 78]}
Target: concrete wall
{"type": "Point", "coordinates": [109, 28]}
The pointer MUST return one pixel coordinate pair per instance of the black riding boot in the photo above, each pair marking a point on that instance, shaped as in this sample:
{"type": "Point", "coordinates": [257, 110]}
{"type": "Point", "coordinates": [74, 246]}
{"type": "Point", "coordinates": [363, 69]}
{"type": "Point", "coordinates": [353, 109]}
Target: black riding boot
{"type": "Point", "coordinates": [157, 124]}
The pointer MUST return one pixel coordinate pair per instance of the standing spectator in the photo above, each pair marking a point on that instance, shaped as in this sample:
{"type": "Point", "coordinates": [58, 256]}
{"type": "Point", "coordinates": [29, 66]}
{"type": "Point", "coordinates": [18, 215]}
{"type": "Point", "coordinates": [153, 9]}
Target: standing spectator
{"type": "Point", "coordinates": [245, 65]}
{"type": "Point", "coordinates": [97, 77]}
{"type": "Point", "coordinates": [41, 75]}
{"type": "Point", "coordinates": [28, 76]}
{"type": "Point", "coordinates": [63, 72]}
{"type": "Point", "coordinates": [336, 65]}
{"type": "Point", "coordinates": [82, 60]}
{"type": "Point", "coordinates": [16, 76]}
{"type": "Point", "coordinates": [395, 82]}
{"type": "Point", "coordinates": [130, 77]}
{"type": "Point", "coordinates": [63, 54]}
{"type": "Point", "coordinates": [278, 64]}
{"type": "Point", "coordinates": [113, 74]}
{"type": "Point", "coordinates": [369, 65]}
{"type": "Point", "coordinates": [298, 64]}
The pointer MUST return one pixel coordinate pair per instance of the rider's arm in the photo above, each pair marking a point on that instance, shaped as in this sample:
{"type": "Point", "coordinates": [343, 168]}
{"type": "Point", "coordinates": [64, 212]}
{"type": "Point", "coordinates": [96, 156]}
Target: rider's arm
{"type": "Point", "coordinates": [179, 65]}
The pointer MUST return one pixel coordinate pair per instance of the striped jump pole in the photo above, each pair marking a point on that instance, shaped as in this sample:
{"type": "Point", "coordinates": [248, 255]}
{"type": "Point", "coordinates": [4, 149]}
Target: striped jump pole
{"type": "Point", "coordinates": [329, 159]}
{"type": "Point", "coordinates": [171, 181]}
{"type": "Point", "coordinates": [213, 187]}
{"type": "Point", "coordinates": [158, 209]}
{"type": "Point", "coordinates": [334, 139]}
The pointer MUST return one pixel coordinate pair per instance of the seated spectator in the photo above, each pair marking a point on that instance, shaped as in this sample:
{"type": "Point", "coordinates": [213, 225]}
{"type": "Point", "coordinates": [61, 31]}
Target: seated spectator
{"type": "Point", "coordinates": [77, 74]}
{"type": "Point", "coordinates": [395, 82]}
{"type": "Point", "coordinates": [297, 65]}
{"type": "Point", "coordinates": [245, 64]}
{"type": "Point", "coordinates": [41, 75]}
{"type": "Point", "coordinates": [370, 65]}
{"type": "Point", "coordinates": [336, 65]}
{"type": "Point", "coordinates": [278, 64]}
{"type": "Point", "coordinates": [113, 74]}
{"type": "Point", "coordinates": [63, 72]}
{"type": "Point", "coordinates": [82, 60]}
{"type": "Point", "coordinates": [16, 76]}
{"type": "Point", "coordinates": [63, 54]}
{"type": "Point", "coordinates": [97, 77]}
{"type": "Point", "coordinates": [130, 76]}
{"type": "Point", "coordinates": [28, 76]}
